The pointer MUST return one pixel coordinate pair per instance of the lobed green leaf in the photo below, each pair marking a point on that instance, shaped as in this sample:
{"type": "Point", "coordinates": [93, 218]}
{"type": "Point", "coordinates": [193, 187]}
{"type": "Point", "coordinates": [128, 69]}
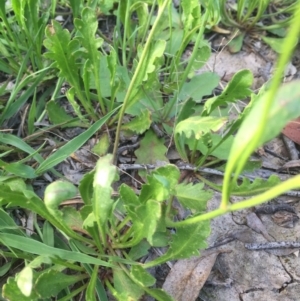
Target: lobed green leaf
{"type": "Point", "coordinates": [259, 185]}
{"type": "Point", "coordinates": [140, 123]}
{"type": "Point", "coordinates": [151, 150]}
{"type": "Point", "coordinates": [237, 88]}
{"type": "Point", "coordinates": [193, 196]}
{"type": "Point", "coordinates": [195, 128]}
{"type": "Point", "coordinates": [185, 243]}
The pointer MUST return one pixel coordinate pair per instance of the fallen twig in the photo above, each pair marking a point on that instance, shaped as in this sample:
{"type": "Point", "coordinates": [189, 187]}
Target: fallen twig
{"type": "Point", "coordinates": [273, 245]}
{"type": "Point", "coordinates": [264, 174]}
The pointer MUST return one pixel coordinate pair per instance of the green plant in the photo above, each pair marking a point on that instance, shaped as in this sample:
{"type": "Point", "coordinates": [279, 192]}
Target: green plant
{"type": "Point", "coordinates": [21, 44]}
{"type": "Point", "coordinates": [20, 39]}
{"type": "Point", "coordinates": [273, 108]}
{"type": "Point", "coordinates": [98, 246]}
{"type": "Point", "coordinates": [256, 17]}
{"type": "Point", "coordinates": [82, 61]}
{"type": "Point", "coordinates": [97, 77]}
{"type": "Point", "coordinates": [194, 137]}
{"type": "Point", "coordinates": [122, 228]}
{"type": "Point", "coordinates": [247, 14]}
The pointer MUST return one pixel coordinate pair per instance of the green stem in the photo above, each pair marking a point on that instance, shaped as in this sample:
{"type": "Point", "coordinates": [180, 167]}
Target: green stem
{"type": "Point", "coordinates": [132, 84]}
{"type": "Point", "coordinates": [111, 288]}
{"type": "Point", "coordinates": [216, 161]}
{"type": "Point", "coordinates": [169, 206]}
{"type": "Point", "coordinates": [124, 238]}
{"type": "Point", "coordinates": [194, 151]}
{"type": "Point", "coordinates": [290, 184]}
{"type": "Point", "coordinates": [126, 28]}
{"type": "Point", "coordinates": [74, 293]}
{"type": "Point", "coordinates": [149, 21]}
{"type": "Point", "coordinates": [36, 226]}
{"type": "Point", "coordinates": [123, 223]}
{"type": "Point", "coordinates": [226, 18]}
{"type": "Point", "coordinates": [209, 183]}
{"type": "Point", "coordinates": [102, 232]}
{"type": "Point", "coordinates": [262, 6]}
{"type": "Point", "coordinates": [117, 44]}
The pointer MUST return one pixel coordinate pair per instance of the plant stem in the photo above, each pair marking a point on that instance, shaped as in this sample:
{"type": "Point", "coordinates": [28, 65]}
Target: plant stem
{"type": "Point", "coordinates": [209, 183]}
{"type": "Point", "coordinates": [279, 189]}
{"type": "Point", "coordinates": [126, 28]}
{"type": "Point", "coordinates": [74, 293]}
{"type": "Point", "coordinates": [133, 83]}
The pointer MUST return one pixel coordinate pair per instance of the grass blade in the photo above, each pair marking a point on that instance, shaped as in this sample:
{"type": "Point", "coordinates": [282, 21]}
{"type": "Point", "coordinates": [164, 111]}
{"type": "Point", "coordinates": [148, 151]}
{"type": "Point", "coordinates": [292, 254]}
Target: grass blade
{"type": "Point", "coordinates": [32, 246]}
{"type": "Point", "coordinates": [65, 151]}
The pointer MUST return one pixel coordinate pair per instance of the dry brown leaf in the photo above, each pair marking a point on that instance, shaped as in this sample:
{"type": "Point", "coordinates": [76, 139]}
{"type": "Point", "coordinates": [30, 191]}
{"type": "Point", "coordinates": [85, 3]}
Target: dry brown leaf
{"type": "Point", "coordinates": [292, 130]}
{"type": "Point", "coordinates": [188, 276]}
{"type": "Point", "coordinates": [291, 164]}
{"type": "Point", "coordinates": [285, 219]}
{"type": "Point", "coordinates": [253, 222]}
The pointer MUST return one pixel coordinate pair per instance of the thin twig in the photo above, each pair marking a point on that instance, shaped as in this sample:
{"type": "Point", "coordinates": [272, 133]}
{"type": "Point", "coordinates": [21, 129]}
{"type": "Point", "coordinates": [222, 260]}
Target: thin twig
{"type": "Point", "coordinates": [273, 245]}
{"type": "Point", "coordinates": [264, 174]}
